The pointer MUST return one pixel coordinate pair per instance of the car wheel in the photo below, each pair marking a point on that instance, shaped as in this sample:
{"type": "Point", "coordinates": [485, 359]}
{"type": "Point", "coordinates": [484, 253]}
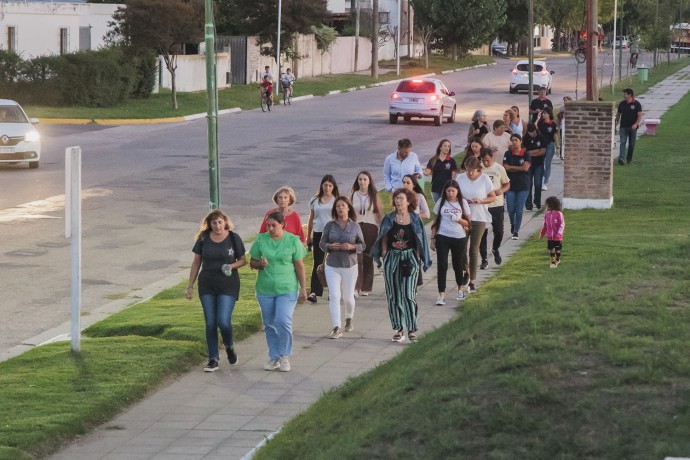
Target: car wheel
{"type": "Point", "coordinates": [438, 121]}
{"type": "Point", "coordinates": [511, 90]}
{"type": "Point", "coordinates": [33, 164]}
{"type": "Point", "coordinates": [393, 119]}
{"type": "Point", "coordinates": [451, 118]}
{"type": "Point", "coordinates": [407, 118]}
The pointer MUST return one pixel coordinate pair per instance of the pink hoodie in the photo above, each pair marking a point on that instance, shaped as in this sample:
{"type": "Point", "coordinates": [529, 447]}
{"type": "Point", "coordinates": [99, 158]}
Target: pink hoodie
{"type": "Point", "coordinates": [554, 225]}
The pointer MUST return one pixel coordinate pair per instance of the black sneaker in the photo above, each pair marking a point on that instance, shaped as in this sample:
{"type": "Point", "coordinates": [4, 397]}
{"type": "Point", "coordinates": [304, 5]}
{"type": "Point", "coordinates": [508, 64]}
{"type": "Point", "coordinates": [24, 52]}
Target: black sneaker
{"type": "Point", "coordinates": [512, 228]}
{"type": "Point", "coordinates": [232, 356]}
{"type": "Point", "coordinates": [212, 366]}
{"type": "Point", "coordinates": [484, 265]}
{"type": "Point", "coordinates": [497, 258]}
{"type": "Point", "coordinates": [515, 236]}
{"type": "Point", "coordinates": [621, 161]}
{"type": "Point", "coordinates": [312, 298]}
{"type": "Point", "coordinates": [473, 288]}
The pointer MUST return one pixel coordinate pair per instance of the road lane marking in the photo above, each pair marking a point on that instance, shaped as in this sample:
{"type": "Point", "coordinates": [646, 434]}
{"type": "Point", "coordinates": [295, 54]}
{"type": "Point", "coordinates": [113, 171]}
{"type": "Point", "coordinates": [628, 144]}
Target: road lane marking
{"type": "Point", "coordinates": [38, 209]}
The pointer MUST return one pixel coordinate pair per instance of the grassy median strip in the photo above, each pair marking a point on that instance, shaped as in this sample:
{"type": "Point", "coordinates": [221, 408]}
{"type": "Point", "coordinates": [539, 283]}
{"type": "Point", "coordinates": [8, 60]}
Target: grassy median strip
{"type": "Point", "coordinates": [244, 96]}
{"type": "Point", "coordinates": [49, 395]}
{"type": "Point", "coordinates": [590, 360]}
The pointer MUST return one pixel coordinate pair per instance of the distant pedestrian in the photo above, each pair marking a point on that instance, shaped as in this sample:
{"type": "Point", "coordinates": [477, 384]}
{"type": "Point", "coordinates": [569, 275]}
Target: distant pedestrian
{"type": "Point", "coordinates": [478, 127]}
{"type": "Point", "coordinates": [511, 126]}
{"type": "Point", "coordinates": [441, 167]}
{"type": "Point", "coordinates": [285, 197]}
{"type": "Point", "coordinates": [521, 124]}
{"type": "Point", "coordinates": [369, 210]}
{"type": "Point", "coordinates": [397, 164]}
{"type": "Point", "coordinates": [342, 240]}
{"type": "Point", "coordinates": [281, 284]}
{"type": "Point", "coordinates": [535, 145]}
{"type": "Point", "coordinates": [561, 128]}
{"type": "Point", "coordinates": [630, 116]}
{"type": "Point", "coordinates": [539, 104]}
{"type": "Point", "coordinates": [501, 183]}
{"type": "Point", "coordinates": [401, 243]}
{"type": "Point", "coordinates": [553, 229]}
{"type": "Point", "coordinates": [516, 162]}
{"type": "Point", "coordinates": [449, 234]}
{"type": "Point", "coordinates": [471, 151]}
{"type": "Point", "coordinates": [218, 253]}
{"type": "Point", "coordinates": [497, 140]}
{"type": "Point", "coordinates": [548, 129]}
{"type": "Point", "coordinates": [321, 207]}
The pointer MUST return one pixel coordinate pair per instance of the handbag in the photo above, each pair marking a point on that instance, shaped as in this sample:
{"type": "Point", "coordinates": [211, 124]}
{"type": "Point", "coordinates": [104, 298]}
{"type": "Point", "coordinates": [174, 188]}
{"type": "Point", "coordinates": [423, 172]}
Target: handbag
{"type": "Point", "coordinates": [321, 272]}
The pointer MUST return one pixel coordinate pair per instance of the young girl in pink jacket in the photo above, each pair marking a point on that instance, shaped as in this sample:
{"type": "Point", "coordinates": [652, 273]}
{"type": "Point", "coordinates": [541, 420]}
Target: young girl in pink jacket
{"type": "Point", "coordinates": [554, 226]}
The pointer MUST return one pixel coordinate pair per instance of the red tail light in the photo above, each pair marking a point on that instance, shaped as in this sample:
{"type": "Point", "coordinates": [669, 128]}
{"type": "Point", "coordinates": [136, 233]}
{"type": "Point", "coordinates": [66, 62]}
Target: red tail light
{"type": "Point", "coordinates": [433, 97]}
{"type": "Point", "coordinates": [394, 96]}
{"type": "Point", "coordinates": [514, 71]}
{"type": "Point", "coordinates": [544, 72]}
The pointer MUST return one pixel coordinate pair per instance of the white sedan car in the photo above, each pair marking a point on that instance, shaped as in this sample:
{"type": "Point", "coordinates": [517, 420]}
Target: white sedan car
{"type": "Point", "coordinates": [541, 76]}
{"type": "Point", "coordinates": [19, 140]}
{"type": "Point", "coordinates": [422, 98]}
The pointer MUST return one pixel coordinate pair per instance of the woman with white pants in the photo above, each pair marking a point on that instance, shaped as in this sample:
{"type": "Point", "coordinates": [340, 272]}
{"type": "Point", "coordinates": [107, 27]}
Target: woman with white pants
{"type": "Point", "coordinates": [341, 240]}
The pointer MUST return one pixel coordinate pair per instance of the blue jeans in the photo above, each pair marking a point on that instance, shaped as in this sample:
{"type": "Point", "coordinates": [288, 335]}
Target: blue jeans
{"type": "Point", "coordinates": [536, 175]}
{"type": "Point", "coordinates": [628, 135]}
{"type": "Point", "coordinates": [515, 202]}
{"type": "Point", "coordinates": [217, 314]}
{"type": "Point", "coordinates": [548, 157]}
{"type": "Point", "coordinates": [276, 312]}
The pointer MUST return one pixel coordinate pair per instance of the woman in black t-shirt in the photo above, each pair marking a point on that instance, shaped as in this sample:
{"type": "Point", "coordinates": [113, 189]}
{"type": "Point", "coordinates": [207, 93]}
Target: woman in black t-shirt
{"type": "Point", "coordinates": [218, 253]}
{"type": "Point", "coordinates": [516, 163]}
{"type": "Point", "coordinates": [442, 168]}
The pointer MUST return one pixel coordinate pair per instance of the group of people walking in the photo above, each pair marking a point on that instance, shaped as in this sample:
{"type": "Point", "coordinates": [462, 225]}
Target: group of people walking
{"type": "Point", "coordinates": [350, 232]}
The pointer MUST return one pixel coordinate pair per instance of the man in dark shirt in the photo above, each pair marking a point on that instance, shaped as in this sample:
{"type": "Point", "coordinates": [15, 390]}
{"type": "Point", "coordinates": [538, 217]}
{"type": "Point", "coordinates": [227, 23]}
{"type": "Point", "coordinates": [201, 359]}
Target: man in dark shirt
{"type": "Point", "coordinates": [630, 115]}
{"type": "Point", "coordinates": [535, 145]}
{"type": "Point", "coordinates": [539, 104]}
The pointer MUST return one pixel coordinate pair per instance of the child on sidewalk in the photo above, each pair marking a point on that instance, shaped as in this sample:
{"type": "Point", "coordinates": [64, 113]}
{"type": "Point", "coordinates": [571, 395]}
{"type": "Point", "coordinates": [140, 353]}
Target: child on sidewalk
{"type": "Point", "coordinates": [554, 226]}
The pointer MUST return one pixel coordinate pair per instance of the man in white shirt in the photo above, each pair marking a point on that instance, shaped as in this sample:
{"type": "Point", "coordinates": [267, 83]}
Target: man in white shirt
{"type": "Point", "coordinates": [267, 71]}
{"type": "Point", "coordinates": [498, 141]}
{"type": "Point", "coordinates": [400, 163]}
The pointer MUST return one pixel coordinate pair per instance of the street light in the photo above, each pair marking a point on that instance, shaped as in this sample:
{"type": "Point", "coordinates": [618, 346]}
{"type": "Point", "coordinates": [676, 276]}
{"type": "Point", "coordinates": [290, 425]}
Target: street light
{"type": "Point", "coordinates": [280, 7]}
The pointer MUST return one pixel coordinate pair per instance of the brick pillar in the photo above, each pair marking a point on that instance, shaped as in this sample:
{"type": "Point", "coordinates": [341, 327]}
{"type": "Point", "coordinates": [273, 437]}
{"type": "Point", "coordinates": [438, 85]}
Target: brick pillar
{"type": "Point", "coordinates": [588, 171]}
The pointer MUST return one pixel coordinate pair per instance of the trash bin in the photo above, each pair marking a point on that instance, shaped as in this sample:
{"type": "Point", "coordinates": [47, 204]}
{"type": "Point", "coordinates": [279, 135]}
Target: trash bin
{"type": "Point", "coordinates": [643, 73]}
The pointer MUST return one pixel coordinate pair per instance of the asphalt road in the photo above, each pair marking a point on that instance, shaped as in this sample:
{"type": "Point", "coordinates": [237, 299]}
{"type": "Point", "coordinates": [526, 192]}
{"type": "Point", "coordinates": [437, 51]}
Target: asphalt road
{"type": "Point", "coordinates": [146, 186]}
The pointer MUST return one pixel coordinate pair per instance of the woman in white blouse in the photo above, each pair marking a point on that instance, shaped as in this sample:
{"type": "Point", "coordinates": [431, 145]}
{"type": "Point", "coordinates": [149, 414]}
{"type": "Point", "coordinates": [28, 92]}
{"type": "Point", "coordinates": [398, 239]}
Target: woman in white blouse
{"type": "Point", "coordinates": [320, 206]}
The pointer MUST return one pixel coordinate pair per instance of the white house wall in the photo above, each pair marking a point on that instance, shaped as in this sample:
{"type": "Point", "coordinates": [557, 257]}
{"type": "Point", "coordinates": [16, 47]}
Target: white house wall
{"type": "Point", "coordinates": [190, 75]}
{"type": "Point", "coordinates": [38, 25]}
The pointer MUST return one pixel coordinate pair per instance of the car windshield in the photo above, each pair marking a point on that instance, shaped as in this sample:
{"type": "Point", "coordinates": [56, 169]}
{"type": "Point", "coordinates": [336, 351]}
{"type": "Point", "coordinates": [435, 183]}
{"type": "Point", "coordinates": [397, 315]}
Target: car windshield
{"type": "Point", "coordinates": [525, 67]}
{"type": "Point", "coordinates": [418, 86]}
{"type": "Point", "coordinates": [12, 114]}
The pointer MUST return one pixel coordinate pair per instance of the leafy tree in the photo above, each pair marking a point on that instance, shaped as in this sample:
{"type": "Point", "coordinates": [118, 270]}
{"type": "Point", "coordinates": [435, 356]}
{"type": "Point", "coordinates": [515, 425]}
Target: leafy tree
{"type": "Point", "coordinates": [325, 37]}
{"type": "Point", "coordinates": [563, 16]}
{"type": "Point", "coordinates": [463, 24]}
{"type": "Point", "coordinates": [161, 25]}
{"type": "Point", "coordinates": [515, 31]}
{"type": "Point", "coordinates": [260, 18]}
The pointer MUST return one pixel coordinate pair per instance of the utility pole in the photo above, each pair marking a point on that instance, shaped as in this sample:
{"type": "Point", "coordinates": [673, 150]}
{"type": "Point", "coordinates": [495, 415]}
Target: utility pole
{"type": "Point", "coordinates": [280, 7]}
{"type": "Point", "coordinates": [212, 114]}
{"type": "Point", "coordinates": [356, 5]}
{"type": "Point", "coordinates": [397, 38]}
{"type": "Point", "coordinates": [530, 51]}
{"type": "Point", "coordinates": [592, 50]}
{"type": "Point", "coordinates": [375, 39]}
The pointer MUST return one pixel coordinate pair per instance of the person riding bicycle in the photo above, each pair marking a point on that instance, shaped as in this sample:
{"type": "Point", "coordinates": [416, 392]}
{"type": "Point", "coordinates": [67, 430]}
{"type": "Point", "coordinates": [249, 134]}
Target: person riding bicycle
{"type": "Point", "coordinates": [286, 81]}
{"type": "Point", "coordinates": [267, 88]}
{"type": "Point", "coordinates": [634, 54]}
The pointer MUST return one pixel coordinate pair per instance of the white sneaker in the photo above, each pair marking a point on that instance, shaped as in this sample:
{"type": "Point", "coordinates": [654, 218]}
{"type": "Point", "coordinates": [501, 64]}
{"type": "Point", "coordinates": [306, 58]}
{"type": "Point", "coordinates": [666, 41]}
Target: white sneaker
{"type": "Point", "coordinates": [440, 301]}
{"type": "Point", "coordinates": [544, 187]}
{"type": "Point", "coordinates": [335, 333]}
{"type": "Point", "coordinates": [272, 364]}
{"type": "Point", "coordinates": [284, 364]}
{"type": "Point", "coordinates": [364, 293]}
{"type": "Point", "coordinates": [461, 296]}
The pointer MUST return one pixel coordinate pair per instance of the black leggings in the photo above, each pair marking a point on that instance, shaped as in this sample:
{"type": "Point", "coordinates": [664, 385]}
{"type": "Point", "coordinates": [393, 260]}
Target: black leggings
{"type": "Point", "coordinates": [497, 227]}
{"type": "Point", "coordinates": [458, 251]}
{"type": "Point", "coordinates": [316, 287]}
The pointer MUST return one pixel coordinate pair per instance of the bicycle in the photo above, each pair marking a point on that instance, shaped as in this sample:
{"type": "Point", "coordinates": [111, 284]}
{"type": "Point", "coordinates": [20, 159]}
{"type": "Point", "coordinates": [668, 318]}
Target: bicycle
{"type": "Point", "coordinates": [287, 93]}
{"type": "Point", "coordinates": [265, 101]}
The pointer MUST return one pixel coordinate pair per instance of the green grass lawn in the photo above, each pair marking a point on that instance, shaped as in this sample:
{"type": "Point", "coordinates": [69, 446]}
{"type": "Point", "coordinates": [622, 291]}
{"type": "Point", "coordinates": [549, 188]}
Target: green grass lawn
{"type": "Point", "coordinates": [588, 361]}
{"type": "Point", "coordinates": [245, 96]}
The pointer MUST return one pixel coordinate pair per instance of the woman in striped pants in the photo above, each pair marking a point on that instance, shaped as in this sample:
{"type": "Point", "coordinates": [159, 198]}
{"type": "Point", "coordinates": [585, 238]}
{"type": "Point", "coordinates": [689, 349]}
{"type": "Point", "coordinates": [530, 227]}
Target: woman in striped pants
{"type": "Point", "coordinates": [402, 243]}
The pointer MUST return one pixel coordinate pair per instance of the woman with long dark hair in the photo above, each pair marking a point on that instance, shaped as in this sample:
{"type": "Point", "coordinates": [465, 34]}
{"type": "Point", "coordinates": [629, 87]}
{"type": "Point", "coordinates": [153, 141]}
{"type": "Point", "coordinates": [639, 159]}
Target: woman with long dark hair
{"type": "Point", "coordinates": [516, 162]}
{"type": "Point", "coordinates": [441, 167]}
{"type": "Point", "coordinates": [369, 210]}
{"type": "Point", "coordinates": [321, 207]}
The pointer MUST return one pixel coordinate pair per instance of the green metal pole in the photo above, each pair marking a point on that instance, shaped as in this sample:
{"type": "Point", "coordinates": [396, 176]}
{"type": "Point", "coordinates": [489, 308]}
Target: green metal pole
{"type": "Point", "coordinates": [212, 114]}
{"type": "Point", "coordinates": [530, 52]}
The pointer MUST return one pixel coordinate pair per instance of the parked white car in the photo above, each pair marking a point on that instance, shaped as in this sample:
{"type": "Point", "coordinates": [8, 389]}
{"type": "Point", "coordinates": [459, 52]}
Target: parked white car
{"type": "Point", "coordinates": [621, 41]}
{"type": "Point", "coordinates": [541, 76]}
{"type": "Point", "coordinates": [19, 139]}
{"type": "Point", "coordinates": [422, 98]}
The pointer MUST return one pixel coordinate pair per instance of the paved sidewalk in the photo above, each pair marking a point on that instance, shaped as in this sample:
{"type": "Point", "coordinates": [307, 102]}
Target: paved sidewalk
{"type": "Point", "coordinates": [224, 415]}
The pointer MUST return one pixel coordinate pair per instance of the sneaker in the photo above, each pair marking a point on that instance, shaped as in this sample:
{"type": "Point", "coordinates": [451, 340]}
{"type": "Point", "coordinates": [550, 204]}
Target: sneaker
{"type": "Point", "coordinates": [553, 265]}
{"type": "Point", "coordinates": [232, 356]}
{"type": "Point", "coordinates": [284, 364]}
{"type": "Point", "coordinates": [465, 279]}
{"type": "Point", "coordinates": [412, 335]}
{"type": "Point", "coordinates": [311, 298]}
{"type": "Point", "coordinates": [336, 333]}
{"type": "Point", "coordinates": [538, 206]}
{"type": "Point", "coordinates": [497, 257]}
{"type": "Point", "coordinates": [621, 161]}
{"type": "Point", "coordinates": [364, 293]}
{"type": "Point", "coordinates": [515, 236]}
{"type": "Point", "coordinates": [484, 265]}
{"type": "Point", "coordinates": [512, 228]}
{"type": "Point", "coordinates": [473, 288]}
{"type": "Point", "coordinates": [398, 337]}
{"type": "Point", "coordinates": [461, 296]}
{"type": "Point", "coordinates": [528, 209]}
{"type": "Point", "coordinates": [272, 364]}
{"type": "Point", "coordinates": [544, 187]}
{"type": "Point", "coordinates": [348, 325]}
{"type": "Point", "coordinates": [440, 301]}
{"type": "Point", "coordinates": [558, 262]}
{"type": "Point", "coordinates": [212, 366]}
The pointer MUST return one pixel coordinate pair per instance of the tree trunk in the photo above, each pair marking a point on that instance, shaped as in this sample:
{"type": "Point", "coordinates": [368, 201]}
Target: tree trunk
{"type": "Point", "coordinates": [426, 54]}
{"type": "Point", "coordinates": [375, 39]}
